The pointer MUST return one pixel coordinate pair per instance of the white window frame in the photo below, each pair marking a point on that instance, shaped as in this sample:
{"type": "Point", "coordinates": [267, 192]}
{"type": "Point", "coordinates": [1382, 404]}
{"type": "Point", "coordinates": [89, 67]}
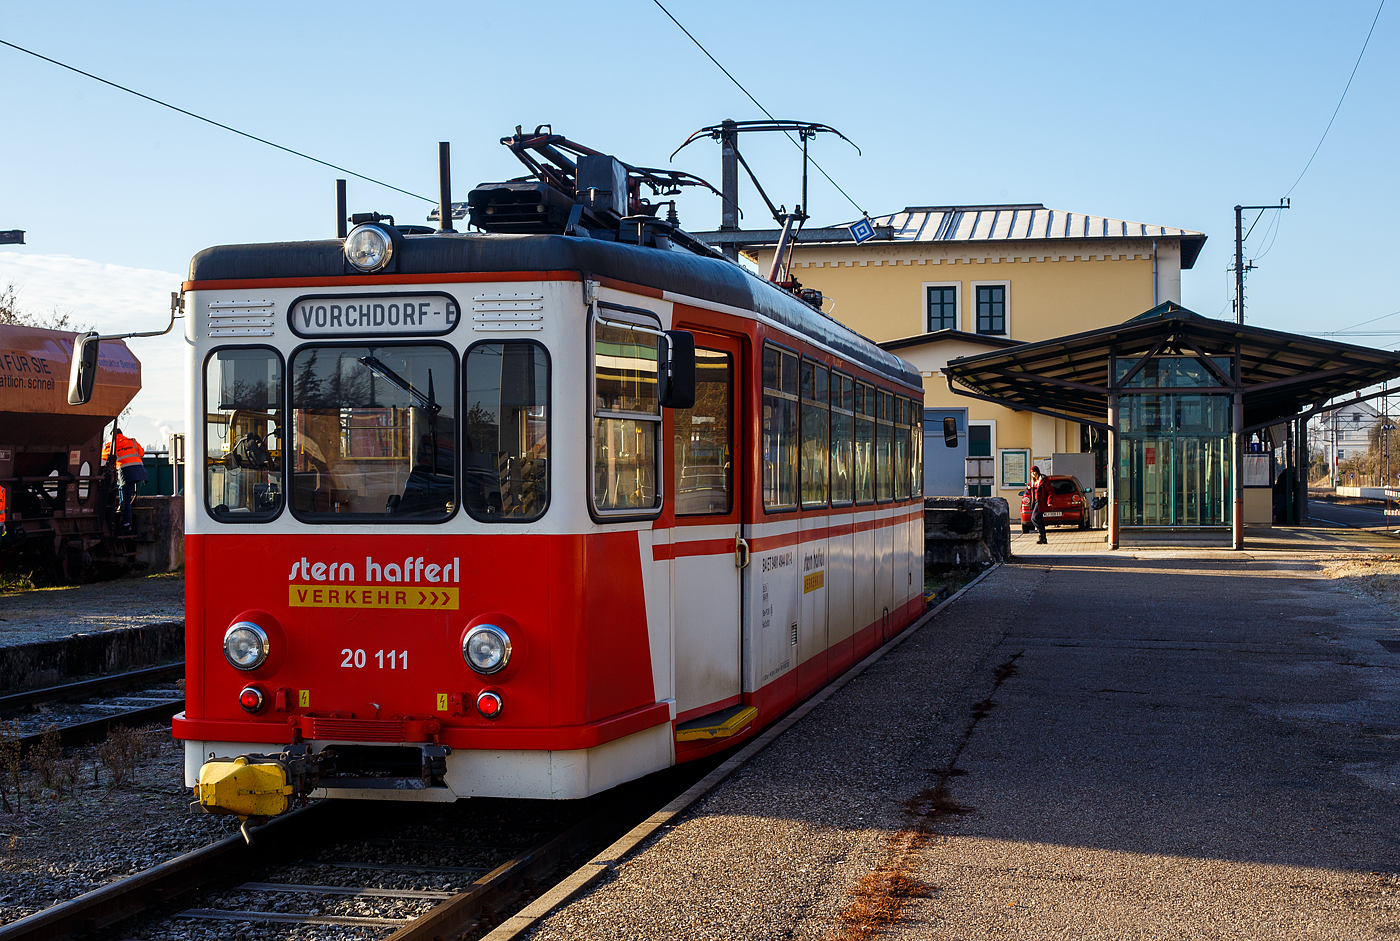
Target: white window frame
{"type": "Point", "coordinates": [989, 423]}
{"type": "Point", "coordinates": [972, 313]}
{"type": "Point", "coordinates": [646, 322]}
{"type": "Point", "coordinates": [957, 303]}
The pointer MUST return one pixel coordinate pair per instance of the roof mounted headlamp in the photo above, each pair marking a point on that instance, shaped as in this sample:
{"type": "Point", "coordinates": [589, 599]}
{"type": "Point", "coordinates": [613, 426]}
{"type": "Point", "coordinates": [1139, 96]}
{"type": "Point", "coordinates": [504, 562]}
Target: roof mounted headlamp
{"type": "Point", "coordinates": [369, 247]}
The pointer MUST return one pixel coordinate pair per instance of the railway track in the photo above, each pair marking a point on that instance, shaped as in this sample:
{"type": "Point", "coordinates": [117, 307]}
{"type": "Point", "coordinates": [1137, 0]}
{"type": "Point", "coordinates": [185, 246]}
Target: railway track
{"type": "Point", "coordinates": [86, 711]}
{"type": "Point", "coordinates": [344, 869]}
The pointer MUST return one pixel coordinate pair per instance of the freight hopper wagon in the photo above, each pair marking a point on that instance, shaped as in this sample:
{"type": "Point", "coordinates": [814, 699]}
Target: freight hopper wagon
{"type": "Point", "coordinates": [56, 502]}
{"type": "Point", "coordinates": [527, 512]}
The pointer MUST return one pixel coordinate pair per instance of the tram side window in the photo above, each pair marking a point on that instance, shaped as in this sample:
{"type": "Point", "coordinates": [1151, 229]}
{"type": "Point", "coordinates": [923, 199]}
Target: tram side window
{"type": "Point", "coordinates": [901, 447]}
{"type": "Point", "coordinates": [916, 447]}
{"type": "Point", "coordinates": [815, 452]}
{"type": "Point", "coordinates": [884, 435]}
{"type": "Point", "coordinates": [243, 429]}
{"type": "Point", "coordinates": [842, 438]}
{"type": "Point", "coordinates": [779, 428]}
{"type": "Point", "coordinates": [505, 427]}
{"type": "Point", "coordinates": [865, 444]}
{"type": "Point", "coordinates": [374, 433]}
{"type": "Point", "coordinates": [704, 440]}
{"type": "Point", "coordinates": [626, 418]}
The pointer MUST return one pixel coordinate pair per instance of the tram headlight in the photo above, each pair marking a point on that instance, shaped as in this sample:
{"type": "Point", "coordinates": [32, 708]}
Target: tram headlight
{"type": "Point", "coordinates": [486, 648]}
{"type": "Point", "coordinates": [368, 247]}
{"type": "Point", "coordinates": [245, 646]}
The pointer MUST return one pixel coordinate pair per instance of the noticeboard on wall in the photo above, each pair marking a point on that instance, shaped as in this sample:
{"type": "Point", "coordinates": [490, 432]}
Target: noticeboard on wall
{"type": "Point", "coordinates": [1015, 468]}
{"type": "Point", "coordinates": [1256, 470]}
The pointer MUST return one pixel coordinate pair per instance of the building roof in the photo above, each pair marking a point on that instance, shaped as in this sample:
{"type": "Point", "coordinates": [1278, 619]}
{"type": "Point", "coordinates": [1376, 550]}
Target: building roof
{"type": "Point", "coordinates": [1025, 222]}
{"type": "Point", "coordinates": [937, 336]}
{"type": "Point", "coordinates": [1280, 373]}
{"type": "Point", "coordinates": [1010, 222]}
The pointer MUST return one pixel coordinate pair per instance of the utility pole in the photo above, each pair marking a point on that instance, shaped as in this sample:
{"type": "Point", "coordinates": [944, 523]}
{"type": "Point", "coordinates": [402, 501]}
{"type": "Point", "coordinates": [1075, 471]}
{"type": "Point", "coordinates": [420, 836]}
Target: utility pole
{"type": "Point", "coordinates": [729, 184]}
{"type": "Point", "coordinates": [1239, 254]}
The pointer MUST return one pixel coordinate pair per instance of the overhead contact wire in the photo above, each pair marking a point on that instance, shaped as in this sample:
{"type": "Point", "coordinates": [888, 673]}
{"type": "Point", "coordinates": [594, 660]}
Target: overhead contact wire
{"type": "Point", "coordinates": [200, 117]}
{"type": "Point", "coordinates": [759, 104]}
{"type": "Point", "coordinates": [1340, 100]}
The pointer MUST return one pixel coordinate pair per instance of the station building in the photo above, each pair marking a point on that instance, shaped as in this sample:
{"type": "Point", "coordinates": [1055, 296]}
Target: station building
{"type": "Point", "coordinates": [1066, 340]}
{"type": "Point", "coordinates": [940, 282]}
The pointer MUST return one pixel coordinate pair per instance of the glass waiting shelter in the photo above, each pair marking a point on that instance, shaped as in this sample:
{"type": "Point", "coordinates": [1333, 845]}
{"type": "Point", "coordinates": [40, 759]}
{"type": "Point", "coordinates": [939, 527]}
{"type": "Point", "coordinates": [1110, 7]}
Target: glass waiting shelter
{"type": "Point", "coordinates": [1178, 395]}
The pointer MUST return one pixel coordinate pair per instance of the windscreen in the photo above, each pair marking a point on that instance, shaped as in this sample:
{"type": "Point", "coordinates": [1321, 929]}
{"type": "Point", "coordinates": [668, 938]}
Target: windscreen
{"type": "Point", "coordinates": [373, 433]}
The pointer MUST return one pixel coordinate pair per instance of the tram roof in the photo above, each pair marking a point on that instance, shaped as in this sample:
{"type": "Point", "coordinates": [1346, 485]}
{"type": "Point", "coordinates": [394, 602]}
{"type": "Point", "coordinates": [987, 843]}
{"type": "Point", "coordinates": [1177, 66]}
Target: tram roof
{"type": "Point", "coordinates": [706, 278]}
{"type": "Point", "coordinates": [1280, 373]}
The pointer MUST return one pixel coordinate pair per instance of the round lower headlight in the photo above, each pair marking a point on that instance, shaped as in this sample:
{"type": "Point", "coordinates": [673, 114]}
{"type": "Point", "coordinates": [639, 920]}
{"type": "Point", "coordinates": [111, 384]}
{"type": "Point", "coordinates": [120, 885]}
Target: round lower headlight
{"type": "Point", "coordinates": [368, 247]}
{"type": "Point", "coordinates": [245, 646]}
{"type": "Point", "coordinates": [486, 648]}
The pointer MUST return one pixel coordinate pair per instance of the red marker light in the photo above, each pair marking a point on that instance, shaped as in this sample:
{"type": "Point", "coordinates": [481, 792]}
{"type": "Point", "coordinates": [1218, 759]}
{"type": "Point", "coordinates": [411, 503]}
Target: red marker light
{"type": "Point", "coordinates": [251, 699]}
{"type": "Point", "coordinates": [489, 705]}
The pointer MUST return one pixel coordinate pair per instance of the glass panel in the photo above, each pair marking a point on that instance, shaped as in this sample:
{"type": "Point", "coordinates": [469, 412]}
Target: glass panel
{"type": "Point", "coordinates": [704, 441]}
{"type": "Point", "coordinates": [1175, 458]}
{"type": "Point", "coordinates": [991, 309]}
{"type": "Point", "coordinates": [788, 380]}
{"type": "Point", "coordinates": [884, 470]}
{"type": "Point", "coordinates": [842, 443]}
{"type": "Point", "coordinates": [505, 457]}
{"type": "Point", "coordinates": [979, 440]}
{"type": "Point", "coordinates": [865, 460]}
{"type": "Point", "coordinates": [901, 459]}
{"type": "Point", "coordinates": [243, 434]}
{"type": "Point", "coordinates": [779, 451]}
{"type": "Point", "coordinates": [1181, 372]}
{"type": "Point", "coordinates": [942, 308]}
{"type": "Point", "coordinates": [625, 363]}
{"type": "Point", "coordinates": [624, 464]}
{"type": "Point", "coordinates": [814, 454]}
{"type": "Point", "coordinates": [372, 438]}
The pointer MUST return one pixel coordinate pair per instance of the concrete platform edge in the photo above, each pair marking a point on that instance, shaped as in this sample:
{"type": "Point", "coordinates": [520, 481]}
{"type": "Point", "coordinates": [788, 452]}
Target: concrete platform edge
{"type": "Point", "coordinates": [49, 662]}
{"type": "Point", "coordinates": [593, 870]}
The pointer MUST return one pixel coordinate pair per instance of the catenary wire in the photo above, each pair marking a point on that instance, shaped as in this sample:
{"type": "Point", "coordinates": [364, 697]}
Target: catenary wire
{"type": "Point", "coordinates": [1340, 100]}
{"type": "Point", "coordinates": [760, 106]}
{"type": "Point", "coordinates": [200, 117]}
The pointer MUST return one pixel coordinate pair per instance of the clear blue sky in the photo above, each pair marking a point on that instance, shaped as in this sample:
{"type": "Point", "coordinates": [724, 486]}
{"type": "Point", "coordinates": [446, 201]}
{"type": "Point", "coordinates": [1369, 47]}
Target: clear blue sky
{"type": "Point", "coordinates": [1166, 113]}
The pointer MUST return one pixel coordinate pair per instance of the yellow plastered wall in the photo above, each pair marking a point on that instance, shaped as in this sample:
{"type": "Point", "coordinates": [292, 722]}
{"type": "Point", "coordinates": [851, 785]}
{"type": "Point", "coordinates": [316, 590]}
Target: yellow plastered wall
{"type": "Point", "coordinates": [1052, 289]}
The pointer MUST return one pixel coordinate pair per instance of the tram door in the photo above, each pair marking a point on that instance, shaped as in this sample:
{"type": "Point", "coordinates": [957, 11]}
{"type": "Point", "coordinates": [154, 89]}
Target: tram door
{"type": "Point", "coordinates": [706, 476]}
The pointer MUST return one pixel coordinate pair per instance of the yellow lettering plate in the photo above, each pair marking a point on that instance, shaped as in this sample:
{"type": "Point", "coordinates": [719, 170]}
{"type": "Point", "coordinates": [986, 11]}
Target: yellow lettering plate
{"type": "Point", "coordinates": [367, 596]}
{"type": "Point", "coordinates": [814, 581]}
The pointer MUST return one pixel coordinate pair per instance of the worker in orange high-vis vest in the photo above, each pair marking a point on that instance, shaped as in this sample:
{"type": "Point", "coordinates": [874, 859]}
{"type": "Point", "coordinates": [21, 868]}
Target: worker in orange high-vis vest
{"type": "Point", "coordinates": [130, 470]}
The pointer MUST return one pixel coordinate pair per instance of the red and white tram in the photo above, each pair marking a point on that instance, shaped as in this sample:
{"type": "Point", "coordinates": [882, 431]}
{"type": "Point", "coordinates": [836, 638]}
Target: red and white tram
{"type": "Point", "coordinates": [448, 542]}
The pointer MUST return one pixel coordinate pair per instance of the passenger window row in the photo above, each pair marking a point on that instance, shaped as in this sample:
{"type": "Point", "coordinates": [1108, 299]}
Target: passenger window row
{"type": "Point", "coordinates": [832, 440]}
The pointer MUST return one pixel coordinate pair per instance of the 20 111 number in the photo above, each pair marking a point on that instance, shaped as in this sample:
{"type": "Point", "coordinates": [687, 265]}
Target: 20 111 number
{"type": "Point", "coordinates": [356, 659]}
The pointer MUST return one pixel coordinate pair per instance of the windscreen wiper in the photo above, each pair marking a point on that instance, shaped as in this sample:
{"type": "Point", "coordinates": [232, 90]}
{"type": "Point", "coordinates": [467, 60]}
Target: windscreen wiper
{"type": "Point", "coordinates": [377, 367]}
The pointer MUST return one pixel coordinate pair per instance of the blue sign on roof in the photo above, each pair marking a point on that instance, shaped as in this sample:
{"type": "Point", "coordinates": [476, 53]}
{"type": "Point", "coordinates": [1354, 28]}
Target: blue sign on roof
{"type": "Point", "coordinates": [862, 231]}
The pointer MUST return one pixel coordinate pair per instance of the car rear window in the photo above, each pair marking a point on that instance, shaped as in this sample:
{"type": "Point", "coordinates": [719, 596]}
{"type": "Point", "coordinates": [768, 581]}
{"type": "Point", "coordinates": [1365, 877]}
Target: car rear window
{"type": "Point", "coordinates": [1062, 486]}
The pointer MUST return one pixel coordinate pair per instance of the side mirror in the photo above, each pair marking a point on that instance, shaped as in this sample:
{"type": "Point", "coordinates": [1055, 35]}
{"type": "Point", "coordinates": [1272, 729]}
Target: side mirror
{"type": "Point", "coordinates": [82, 372]}
{"type": "Point", "coordinates": [950, 431]}
{"type": "Point", "coordinates": [675, 369]}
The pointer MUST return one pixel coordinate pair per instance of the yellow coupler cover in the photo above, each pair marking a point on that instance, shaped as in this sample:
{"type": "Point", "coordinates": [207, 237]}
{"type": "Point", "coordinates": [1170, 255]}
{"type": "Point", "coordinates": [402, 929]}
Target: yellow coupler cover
{"type": "Point", "coordinates": [234, 786]}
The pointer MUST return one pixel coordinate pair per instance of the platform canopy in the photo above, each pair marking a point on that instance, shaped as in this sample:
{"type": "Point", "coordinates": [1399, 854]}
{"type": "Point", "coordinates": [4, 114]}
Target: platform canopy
{"type": "Point", "coordinates": [1280, 374]}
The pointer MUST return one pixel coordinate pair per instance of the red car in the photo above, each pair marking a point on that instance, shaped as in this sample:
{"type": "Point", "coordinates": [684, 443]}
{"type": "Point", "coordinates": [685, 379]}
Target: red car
{"type": "Point", "coordinates": [1068, 505]}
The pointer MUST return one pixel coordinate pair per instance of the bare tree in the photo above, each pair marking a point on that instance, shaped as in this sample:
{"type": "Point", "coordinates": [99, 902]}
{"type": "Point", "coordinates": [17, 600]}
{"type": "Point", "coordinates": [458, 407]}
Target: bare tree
{"type": "Point", "coordinates": [12, 313]}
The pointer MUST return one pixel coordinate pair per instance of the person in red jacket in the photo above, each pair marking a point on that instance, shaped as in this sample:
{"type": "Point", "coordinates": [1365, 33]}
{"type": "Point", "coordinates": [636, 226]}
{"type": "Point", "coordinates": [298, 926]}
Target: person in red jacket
{"type": "Point", "coordinates": [130, 470]}
{"type": "Point", "coordinates": [1040, 502]}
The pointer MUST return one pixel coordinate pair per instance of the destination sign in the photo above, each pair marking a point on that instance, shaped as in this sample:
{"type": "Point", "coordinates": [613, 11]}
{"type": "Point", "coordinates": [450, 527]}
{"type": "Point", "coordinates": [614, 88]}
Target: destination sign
{"type": "Point", "coordinates": [357, 315]}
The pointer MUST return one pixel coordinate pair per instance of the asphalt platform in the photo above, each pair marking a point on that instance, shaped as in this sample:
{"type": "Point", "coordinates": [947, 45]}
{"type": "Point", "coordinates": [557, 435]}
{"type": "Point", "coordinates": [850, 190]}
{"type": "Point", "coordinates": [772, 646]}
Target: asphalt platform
{"type": "Point", "coordinates": [1141, 744]}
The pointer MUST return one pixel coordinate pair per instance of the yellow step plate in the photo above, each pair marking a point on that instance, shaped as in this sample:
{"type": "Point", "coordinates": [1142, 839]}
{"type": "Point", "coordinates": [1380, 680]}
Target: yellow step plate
{"type": "Point", "coordinates": [721, 724]}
